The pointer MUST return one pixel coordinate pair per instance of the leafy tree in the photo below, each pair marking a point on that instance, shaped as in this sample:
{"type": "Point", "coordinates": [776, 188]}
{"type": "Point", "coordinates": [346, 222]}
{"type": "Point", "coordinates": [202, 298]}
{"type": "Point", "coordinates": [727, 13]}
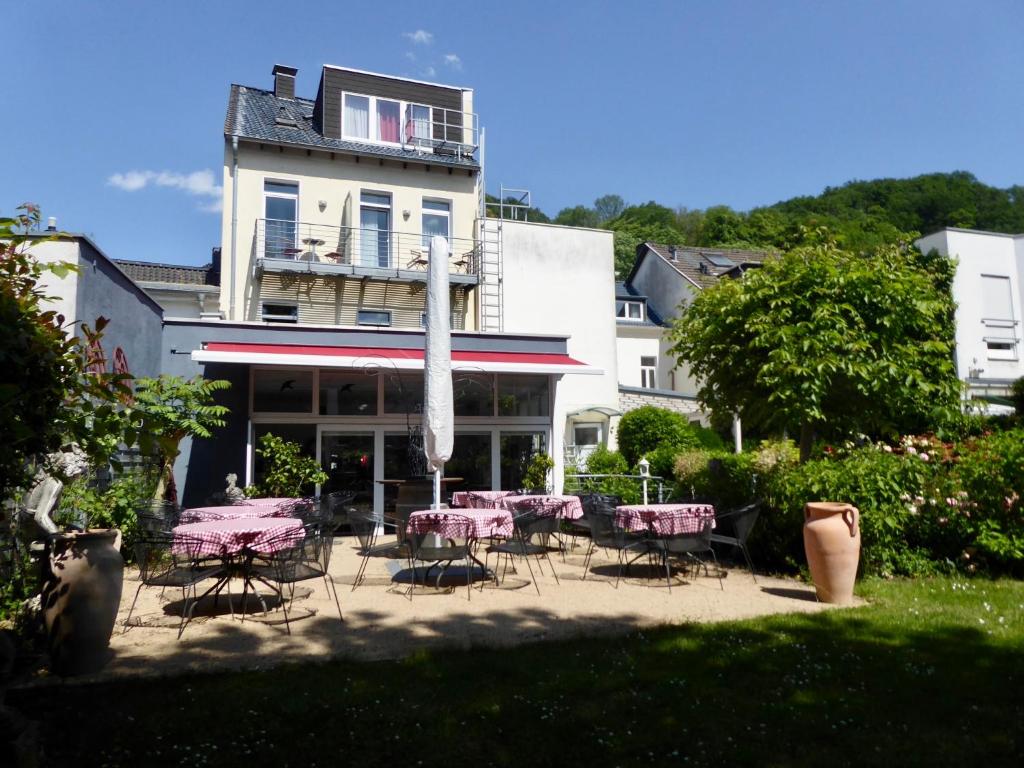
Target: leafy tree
{"type": "Point", "coordinates": [825, 339]}
{"type": "Point", "coordinates": [580, 216]}
{"type": "Point", "coordinates": [287, 472]}
{"type": "Point", "coordinates": [645, 429]}
{"type": "Point", "coordinates": [608, 207]}
{"type": "Point", "coordinates": [168, 409]}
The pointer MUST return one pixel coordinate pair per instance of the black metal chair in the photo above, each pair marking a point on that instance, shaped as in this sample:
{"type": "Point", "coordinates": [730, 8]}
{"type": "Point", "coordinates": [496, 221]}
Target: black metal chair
{"type": "Point", "coordinates": [166, 560]}
{"type": "Point", "coordinates": [335, 507]}
{"type": "Point", "coordinates": [528, 521]}
{"type": "Point", "coordinates": [291, 563]}
{"type": "Point", "coordinates": [689, 546]}
{"type": "Point", "coordinates": [600, 514]}
{"type": "Point", "coordinates": [365, 525]}
{"type": "Point", "coordinates": [444, 539]}
{"type": "Point", "coordinates": [741, 521]}
{"type": "Point", "coordinates": [157, 516]}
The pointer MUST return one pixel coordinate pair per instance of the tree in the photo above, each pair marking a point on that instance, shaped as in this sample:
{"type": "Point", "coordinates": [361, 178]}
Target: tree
{"type": "Point", "coordinates": [608, 207]}
{"type": "Point", "coordinates": [825, 339]}
{"type": "Point", "coordinates": [580, 216]}
{"type": "Point", "coordinates": [287, 473]}
{"type": "Point", "coordinates": [168, 409]}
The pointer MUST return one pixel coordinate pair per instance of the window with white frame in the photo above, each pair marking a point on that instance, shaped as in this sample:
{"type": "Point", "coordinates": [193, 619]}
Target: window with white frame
{"type": "Point", "coordinates": [629, 310]}
{"type": "Point", "coordinates": [373, 317]}
{"type": "Point", "coordinates": [998, 317]}
{"type": "Point", "coordinates": [281, 212]}
{"type": "Point", "coordinates": [375, 229]}
{"type": "Point", "coordinates": [648, 372]}
{"type": "Point", "coordinates": [437, 215]}
{"type": "Point", "coordinates": [379, 119]}
{"type": "Point", "coordinates": [278, 312]}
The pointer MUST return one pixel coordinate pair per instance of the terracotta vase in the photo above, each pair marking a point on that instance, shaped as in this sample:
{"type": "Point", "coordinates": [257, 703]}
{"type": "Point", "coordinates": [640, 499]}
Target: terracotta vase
{"type": "Point", "coordinates": [80, 598]}
{"type": "Point", "coordinates": [832, 545]}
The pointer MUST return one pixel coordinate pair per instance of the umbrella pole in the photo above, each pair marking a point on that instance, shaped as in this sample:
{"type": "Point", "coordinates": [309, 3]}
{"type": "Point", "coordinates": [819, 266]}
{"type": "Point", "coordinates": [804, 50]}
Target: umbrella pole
{"type": "Point", "coordinates": [437, 489]}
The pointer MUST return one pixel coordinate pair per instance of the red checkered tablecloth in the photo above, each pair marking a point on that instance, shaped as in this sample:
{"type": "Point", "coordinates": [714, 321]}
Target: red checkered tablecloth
{"type": "Point", "coordinates": [479, 499]}
{"type": "Point", "coordinates": [481, 523]}
{"type": "Point", "coordinates": [285, 504]}
{"type": "Point", "coordinates": [229, 537]}
{"type": "Point", "coordinates": [568, 507]}
{"type": "Point", "coordinates": [665, 519]}
{"type": "Point", "coordinates": [233, 512]}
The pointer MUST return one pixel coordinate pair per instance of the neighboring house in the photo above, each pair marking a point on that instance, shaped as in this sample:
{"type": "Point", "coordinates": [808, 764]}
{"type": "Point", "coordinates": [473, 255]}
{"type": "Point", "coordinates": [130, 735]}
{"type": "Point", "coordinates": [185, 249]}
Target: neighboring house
{"type": "Point", "coordinates": [97, 287]}
{"type": "Point", "coordinates": [664, 277]}
{"type": "Point", "coordinates": [989, 292]}
{"type": "Point", "coordinates": [329, 205]}
{"type": "Point", "coordinates": [182, 291]}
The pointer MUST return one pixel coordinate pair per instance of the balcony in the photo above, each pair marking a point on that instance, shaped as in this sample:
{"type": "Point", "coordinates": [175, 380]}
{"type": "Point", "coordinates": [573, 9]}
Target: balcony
{"type": "Point", "coordinates": [320, 249]}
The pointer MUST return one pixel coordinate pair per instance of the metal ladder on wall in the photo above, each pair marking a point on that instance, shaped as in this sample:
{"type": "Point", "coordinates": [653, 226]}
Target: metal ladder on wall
{"type": "Point", "coordinates": [491, 279]}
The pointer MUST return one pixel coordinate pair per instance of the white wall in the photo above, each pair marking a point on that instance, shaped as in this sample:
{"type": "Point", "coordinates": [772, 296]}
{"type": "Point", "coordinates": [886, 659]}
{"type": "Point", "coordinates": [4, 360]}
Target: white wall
{"type": "Point", "coordinates": [978, 254]}
{"type": "Point", "coordinates": [634, 343]}
{"type": "Point", "coordinates": [332, 181]}
{"type": "Point", "coordinates": [185, 303]}
{"type": "Point", "coordinates": [62, 290]}
{"type": "Point", "coordinates": [560, 280]}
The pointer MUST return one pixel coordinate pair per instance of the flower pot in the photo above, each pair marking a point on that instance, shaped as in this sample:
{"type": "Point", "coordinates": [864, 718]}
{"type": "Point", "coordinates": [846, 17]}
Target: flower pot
{"type": "Point", "coordinates": [832, 545]}
{"type": "Point", "coordinates": [80, 599]}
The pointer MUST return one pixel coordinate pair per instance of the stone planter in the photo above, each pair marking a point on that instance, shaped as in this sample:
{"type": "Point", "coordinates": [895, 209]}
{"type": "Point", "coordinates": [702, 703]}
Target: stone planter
{"type": "Point", "coordinates": [80, 598]}
{"type": "Point", "coordinates": [832, 545]}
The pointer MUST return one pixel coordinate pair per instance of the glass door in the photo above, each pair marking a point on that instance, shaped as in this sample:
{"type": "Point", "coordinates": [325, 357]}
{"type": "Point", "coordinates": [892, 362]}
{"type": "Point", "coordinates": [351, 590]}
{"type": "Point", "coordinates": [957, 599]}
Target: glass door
{"type": "Point", "coordinates": [281, 213]}
{"type": "Point", "coordinates": [375, 230]}
{"type": "Point", "coordinates": [348, 461]}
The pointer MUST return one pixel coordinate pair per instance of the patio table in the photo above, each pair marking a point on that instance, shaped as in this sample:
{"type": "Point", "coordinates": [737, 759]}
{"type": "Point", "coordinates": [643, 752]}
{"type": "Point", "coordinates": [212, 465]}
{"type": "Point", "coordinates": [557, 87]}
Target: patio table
{"type": "Point", "coordinates": [232, 512]}
{"type": "Point", "coordinates": [292, 505]}
{"type": "Point", "coordinates": [665, 519]}
{"type": "Point", "coordinates": [479, 499]}
{"type": "Point", "coordinates": [225, 538]}
{"type": "Point", "coordinates": [566, 507]}
{"type": "Point", "coordinates": [486, 523]}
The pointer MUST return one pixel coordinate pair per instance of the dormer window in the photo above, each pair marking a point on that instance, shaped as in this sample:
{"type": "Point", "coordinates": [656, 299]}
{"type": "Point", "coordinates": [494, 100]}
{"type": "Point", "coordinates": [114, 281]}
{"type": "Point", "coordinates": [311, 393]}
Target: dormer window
{"type": "Point", "coordinates": [629, 310]}
{"type": "Point", "coordinates": [379, 120]}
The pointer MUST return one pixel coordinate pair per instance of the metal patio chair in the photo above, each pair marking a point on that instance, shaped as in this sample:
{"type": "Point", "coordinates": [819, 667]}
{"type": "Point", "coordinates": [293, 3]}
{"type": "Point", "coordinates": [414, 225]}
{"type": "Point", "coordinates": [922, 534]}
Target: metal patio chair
{"type": "Point", "coordinates": [742, 522]}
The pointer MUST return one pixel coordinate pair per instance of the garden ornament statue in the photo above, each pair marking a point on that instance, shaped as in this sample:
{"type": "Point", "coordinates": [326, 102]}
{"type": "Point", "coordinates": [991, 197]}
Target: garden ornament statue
{"type": "Point", "coordinates": [44, 495]}
{"type": "Point", "coordinates": [233, 494]}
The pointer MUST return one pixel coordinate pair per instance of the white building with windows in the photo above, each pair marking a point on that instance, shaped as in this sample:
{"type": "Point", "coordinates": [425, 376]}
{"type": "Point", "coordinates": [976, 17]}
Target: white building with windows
{"type": "Point", "coordinates": [989, 294]}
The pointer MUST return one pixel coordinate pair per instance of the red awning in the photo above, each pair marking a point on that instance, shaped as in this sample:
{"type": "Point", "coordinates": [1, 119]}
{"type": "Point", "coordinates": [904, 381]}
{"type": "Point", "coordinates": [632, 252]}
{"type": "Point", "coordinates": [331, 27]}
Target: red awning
{"type": "Point", "coordinates": [370, 357]}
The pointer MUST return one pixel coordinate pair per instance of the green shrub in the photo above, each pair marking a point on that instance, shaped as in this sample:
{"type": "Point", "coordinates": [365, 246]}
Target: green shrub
{"type": "Point", "coordinates": [644, 429]}
{"type": "Point", "coordinates": [605, 462]}
{"type": "Point", "coordinates": [1017, 396]}
{"type": "Point", "coordinates": [662, 460]}
{"type": "Point", "coordinates": [536, 476]}
{"type": "Point", "coordinates": [287, 473]}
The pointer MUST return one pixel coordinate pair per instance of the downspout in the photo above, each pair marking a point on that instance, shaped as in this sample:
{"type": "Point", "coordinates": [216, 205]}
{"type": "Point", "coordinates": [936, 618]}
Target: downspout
{"type": "Point", "coordinates": [234, 222]}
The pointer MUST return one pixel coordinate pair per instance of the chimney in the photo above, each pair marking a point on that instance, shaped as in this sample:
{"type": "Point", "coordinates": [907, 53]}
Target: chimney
{"type": "Point", "coordinates": [215, 260]}
{"type": "Point", "coordinates": [51, 224]}
{"type": "Point", "coordinates": [284, 81]}
{"type": "Point", "coordinates": [672, 253]}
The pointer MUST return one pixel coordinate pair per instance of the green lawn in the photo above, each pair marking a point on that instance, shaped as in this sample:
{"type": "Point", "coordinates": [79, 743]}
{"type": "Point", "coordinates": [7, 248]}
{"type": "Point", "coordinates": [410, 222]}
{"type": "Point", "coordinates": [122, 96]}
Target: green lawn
{"type": "Point", "coordinates": [931, 673]}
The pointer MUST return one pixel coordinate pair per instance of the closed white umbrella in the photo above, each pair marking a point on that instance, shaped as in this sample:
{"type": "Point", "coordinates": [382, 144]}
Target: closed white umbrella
{"type": "Point", "coordinates": [439, 411]}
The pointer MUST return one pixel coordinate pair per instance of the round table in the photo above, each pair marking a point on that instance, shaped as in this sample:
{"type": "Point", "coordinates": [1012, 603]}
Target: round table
{"type": "Point", "coordinates": [263, 535]}
{"type": "Point", "coordinates": [484, 523]}
{"type": "Point", "coordinates": [284, 503]}
{"type": "Point", "coordinates": [232, 512]}
{"type": "Point", "coordinates": [479, 499]}
{"type": "Point", "coordinates": [567, 507]}
{"type": "Point", "coordinates": [665, 519]}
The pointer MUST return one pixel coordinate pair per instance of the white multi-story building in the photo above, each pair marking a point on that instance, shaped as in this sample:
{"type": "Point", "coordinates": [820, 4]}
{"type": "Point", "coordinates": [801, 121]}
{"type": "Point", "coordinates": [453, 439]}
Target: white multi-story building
{"type": "Point", "coordinates": [329, 204]}
{"type": "Point", "coordinates": [989, 293]}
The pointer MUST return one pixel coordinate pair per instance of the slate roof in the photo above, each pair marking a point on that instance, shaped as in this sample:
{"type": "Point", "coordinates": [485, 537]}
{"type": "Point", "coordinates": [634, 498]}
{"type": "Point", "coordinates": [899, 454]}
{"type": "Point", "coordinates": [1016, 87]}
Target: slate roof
{"type": "Point", "coordinates": [626, 292]}
{"type": "Point", "coordinates": [259, 115]}
{"type": "Point", "coordinates": [696, 263]}
{"type": "Point", "coordinates": [175, 274]}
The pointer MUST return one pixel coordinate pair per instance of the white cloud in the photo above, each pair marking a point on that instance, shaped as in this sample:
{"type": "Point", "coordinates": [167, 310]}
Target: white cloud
{"type": "Point", "coordinates": [420, 37]}
{"type": "Point", "coordinates": [429, 72]}
{"type": "Point", "coordinates": [199, 183]}
{"type": "Point", "coordinates": [453, 61]}
{"type": "Point", "coordinates": [410, 56]}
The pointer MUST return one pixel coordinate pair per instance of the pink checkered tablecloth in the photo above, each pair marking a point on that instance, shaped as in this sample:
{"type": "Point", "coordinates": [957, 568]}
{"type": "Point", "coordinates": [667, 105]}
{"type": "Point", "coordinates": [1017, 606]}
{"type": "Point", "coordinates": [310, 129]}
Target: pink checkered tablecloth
{"type": "Point", "coordinates": [233, 512]}
{"type": "Point", "coordinates": [568, 507]}
{"type": "Point", "coordinates": [479, 499]}
{"type": "Point", "coordinates": [289, 505]}
{"type": "Point", "coordinates": [481, 523]}
{"type": "Point", "coordinates": [229, 537]}
{"type": "Point", "coordinates": [665, 519]}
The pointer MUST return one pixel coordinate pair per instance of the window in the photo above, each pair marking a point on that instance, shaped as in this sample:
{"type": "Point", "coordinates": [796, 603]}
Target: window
{"type": "Point", "coordinates": [436, 220]}
{"type": "Point", "coordinates": [355, 121]}
{"type": "Point", "coordinates": [523, 396]}
{"type": "Point", "coordinates": [280, 209]}
{"type": "Point", "coordinates": [648, 372]}
{"type": "Point", "coordinates": [403, 392]}
{"type": "Point", "coordinates": [417, 122]}
{"type": "Point", "coordinates": [282, 391]}
{"type": "Point", "coordinates": [473, 394]}
{"type": "Point", "coordinates": [629, 310]}
{"type": "Point", "coordinates": [586, 434]}
{"type": "Point", "coordinates": [279, 313]}
{"type": "Point", "coordinates": [471, 460]}
{"type": "Point", "coordinates": [375, 229]}
{"type": "Point", "coordinates": [517, 449]}
{"type": "Point", "coordinates": [373, 317]}
{"type": "Point", "coordinates": [388, 117]}
{"type": "Point", "coordinates": [997, 303]}
{"type": "Point", "coordinates": [344, 393]}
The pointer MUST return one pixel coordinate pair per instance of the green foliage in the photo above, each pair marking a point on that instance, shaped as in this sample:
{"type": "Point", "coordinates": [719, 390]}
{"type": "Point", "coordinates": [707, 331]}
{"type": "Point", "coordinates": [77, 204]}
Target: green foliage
{"type": "Point", "coordinates": [287, 472]}
{"type": "Point", "coordinates": [990, 471]}
{"type": "Point", "coordinates": [579, 216]}
{"type": "Point", "coordinates": [646, 428]}
{"type": "Point", "coordinates": [536, 475]}
{"type": "Point", "coordinates": [608, 207]}
{"type": "Point", "coordinates": [605, 462]}
{"type": "Point", "coordinates": [83, 503]}
{"type": "Point", "coordinates": [168, 409]}
{"type": "Point", "coordinates": [1017, 396]}
{"type": "Point", "coordinates": [828, 340]}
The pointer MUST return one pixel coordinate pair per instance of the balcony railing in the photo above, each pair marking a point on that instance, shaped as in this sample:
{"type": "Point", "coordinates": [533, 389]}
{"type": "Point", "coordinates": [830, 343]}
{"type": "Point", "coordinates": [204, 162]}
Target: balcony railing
{"type": "Point", "coordinates": [323, 248]}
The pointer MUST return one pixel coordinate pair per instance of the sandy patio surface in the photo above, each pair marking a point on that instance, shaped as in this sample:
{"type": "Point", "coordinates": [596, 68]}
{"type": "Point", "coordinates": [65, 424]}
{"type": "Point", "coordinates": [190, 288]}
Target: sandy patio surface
{"type": "Point", "coordinates": [382, 622]}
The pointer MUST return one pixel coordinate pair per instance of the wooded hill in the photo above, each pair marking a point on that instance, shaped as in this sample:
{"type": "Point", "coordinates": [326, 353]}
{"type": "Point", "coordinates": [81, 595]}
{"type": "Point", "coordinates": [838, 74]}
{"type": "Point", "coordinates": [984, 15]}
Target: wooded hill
{"type": "Point", "coordinates": [859, 214]}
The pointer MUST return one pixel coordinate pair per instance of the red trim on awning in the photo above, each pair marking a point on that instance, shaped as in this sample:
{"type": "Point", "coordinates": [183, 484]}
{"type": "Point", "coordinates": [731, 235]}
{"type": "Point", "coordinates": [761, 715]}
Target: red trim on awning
{"type": "Point", "coordinates": [460, 356]}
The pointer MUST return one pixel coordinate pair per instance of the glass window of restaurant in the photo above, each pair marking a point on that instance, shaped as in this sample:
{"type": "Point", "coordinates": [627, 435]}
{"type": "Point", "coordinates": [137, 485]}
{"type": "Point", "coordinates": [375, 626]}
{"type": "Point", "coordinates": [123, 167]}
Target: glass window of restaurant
{"type": "Point", "coordinates": [363, 426]}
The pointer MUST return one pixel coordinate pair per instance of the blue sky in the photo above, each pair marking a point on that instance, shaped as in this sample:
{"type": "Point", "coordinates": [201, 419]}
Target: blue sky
{"type": "Point", "coordinates": [114, 111]}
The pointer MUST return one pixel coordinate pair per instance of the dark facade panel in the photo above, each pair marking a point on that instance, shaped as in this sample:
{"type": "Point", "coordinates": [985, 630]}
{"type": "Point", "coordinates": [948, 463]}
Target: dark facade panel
{"type": "Point", "coordinates": [335, 81]}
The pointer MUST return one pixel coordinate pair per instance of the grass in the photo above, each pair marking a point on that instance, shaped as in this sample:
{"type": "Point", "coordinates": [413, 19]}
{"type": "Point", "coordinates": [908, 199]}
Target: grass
{"type": "Point", "coordinates": [931, 673]}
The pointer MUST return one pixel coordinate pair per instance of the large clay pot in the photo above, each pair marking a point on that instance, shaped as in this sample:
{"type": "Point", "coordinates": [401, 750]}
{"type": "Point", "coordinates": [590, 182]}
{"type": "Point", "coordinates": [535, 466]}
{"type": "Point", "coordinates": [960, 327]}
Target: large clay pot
{"type": "Point", "coordinates": [80, 599]}
{"type": "Point", "coordinates": [832, 545]}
